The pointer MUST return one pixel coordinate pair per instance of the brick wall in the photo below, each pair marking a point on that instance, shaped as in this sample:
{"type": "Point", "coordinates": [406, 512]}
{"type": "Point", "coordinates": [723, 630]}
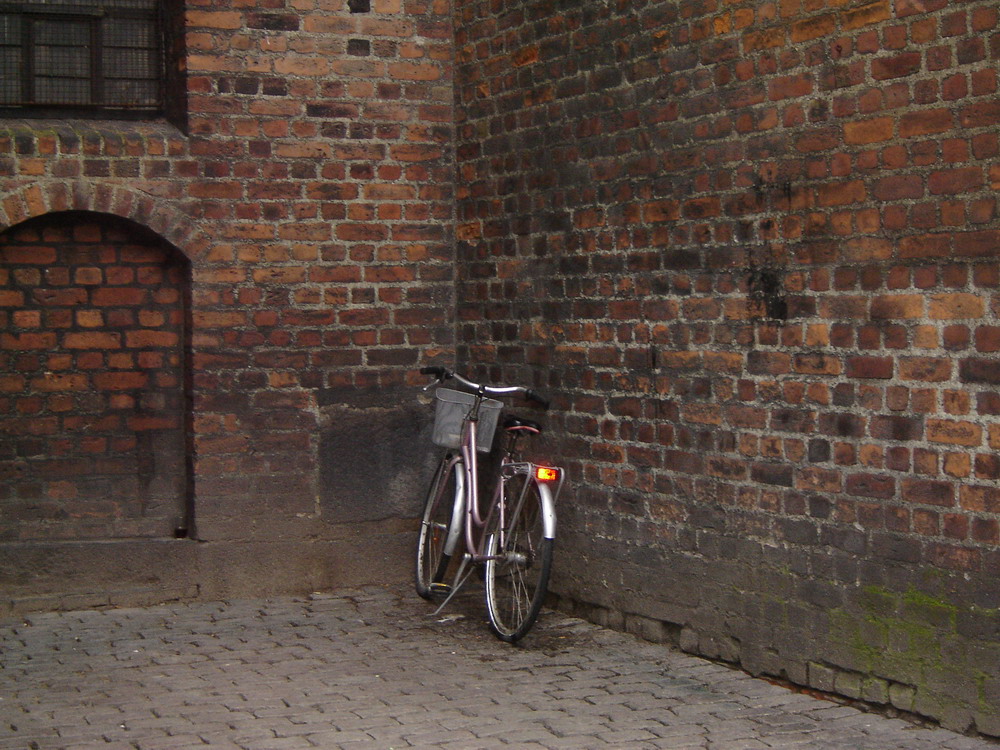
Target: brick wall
{"type": "Point", "coordinates": [94, 409]}
{"type": "Point", "coordinates": [312, 195]}
{"type": "Point", "coordinates": [753, 250]}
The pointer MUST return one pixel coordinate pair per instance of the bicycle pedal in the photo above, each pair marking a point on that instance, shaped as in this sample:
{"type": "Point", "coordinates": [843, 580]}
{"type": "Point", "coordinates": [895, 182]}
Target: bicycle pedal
{"type": "Point", "coordinates": [440, 588]}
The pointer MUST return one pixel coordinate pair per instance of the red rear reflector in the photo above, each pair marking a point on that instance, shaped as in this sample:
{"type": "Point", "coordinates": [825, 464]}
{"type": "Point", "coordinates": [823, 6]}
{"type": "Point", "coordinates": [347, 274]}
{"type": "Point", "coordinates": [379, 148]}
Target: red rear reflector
{"type": "Point", "coordinates": [546, 474]}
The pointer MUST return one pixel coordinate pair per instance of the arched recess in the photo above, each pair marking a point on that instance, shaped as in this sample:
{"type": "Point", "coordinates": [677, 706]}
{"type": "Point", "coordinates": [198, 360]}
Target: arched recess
{"type": "Point", "coordinates": [94, 378]}
{"type": "Point", "coordinates": [160, 216]}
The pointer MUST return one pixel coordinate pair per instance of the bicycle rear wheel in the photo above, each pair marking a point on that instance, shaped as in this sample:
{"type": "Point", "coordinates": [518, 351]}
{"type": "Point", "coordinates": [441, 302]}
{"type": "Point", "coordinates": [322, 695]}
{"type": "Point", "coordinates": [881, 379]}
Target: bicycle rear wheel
{"type": "Point", "coordinates": [440, 523]}
{"type": "Point", "coordinates": [519, 562]}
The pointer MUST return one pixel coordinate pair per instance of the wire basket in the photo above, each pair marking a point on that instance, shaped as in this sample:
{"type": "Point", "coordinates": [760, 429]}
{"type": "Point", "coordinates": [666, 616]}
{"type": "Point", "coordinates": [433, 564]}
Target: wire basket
{"type": "Point", "coordinates": [449, 413]}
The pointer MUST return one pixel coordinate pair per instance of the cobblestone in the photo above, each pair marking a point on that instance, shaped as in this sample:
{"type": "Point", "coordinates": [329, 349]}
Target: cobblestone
{"type": "Point", "coordinates": [371, 668]}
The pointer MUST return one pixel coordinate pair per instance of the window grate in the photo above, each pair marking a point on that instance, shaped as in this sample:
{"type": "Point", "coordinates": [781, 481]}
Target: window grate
{"type": "Point", "coordinates": [105, 56]}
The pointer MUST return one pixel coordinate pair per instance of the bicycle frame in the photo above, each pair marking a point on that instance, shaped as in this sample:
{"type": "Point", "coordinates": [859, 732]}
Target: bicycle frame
{"type": "Point", "coordinates": [467, 517]}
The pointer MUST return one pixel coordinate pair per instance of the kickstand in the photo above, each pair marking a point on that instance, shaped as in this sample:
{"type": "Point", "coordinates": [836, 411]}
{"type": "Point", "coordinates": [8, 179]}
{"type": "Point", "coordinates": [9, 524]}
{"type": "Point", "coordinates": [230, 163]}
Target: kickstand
{"type": "Point", "coordinates": [460, 578]}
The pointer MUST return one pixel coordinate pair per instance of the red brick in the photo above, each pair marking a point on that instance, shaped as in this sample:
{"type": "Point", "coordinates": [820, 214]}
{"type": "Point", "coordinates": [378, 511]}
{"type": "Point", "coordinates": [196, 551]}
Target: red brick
{"type": "Point", "coordinates": [362, 232]}
{"type": "Point", "coordinates": [818, 140]}
{"type": "Point", "coordinates": [897, 66]}
{"type": "Point", "coordinates": [869, 367]}
{"type": "Point", "coordinates": [118, 296]}
{"type": "Point", "coordinates": [33, 254]}
{"type": "Point", "coordinates": [977, 244]}
{"type": "Point", "coordinates": [954, 432]}
{"type": "Point", "coordinates": [763, 39]}
{"type": "Point", "coordinates": [870, 131]}
{"type": "Point", "coordinates": [817, 364]}
{"type": "Point", "coordinates": [980, 499]}
{"type": "Point", "coordinates": [769, 363]}
{"type": "Point", "coordinates": [813, 28]}
{"type": "Point", "coordinates": [151, 339]}
{"type": "Point", "coordinates": [119, 381]}
{"type": "Point", "coordinates": [280, 275]}
{"type": "Point", "coordinates": [926, 122]}
{"type": "Point", "coordinates": [51, 297]}
{"type": "Point", "coordinates": [928, 369]}
{"type": "Point", "coordinates": [27, 341]}
{"type": "Point", "coordinates": [787, 87]}
{"type": "Point", "coordinates": [870, 485]}
{"type": "Point", "coordinates": [988, 338]}
{"type": "Point", "coordinates": [92, 340]}
{"type": "Point", "coordinates": [986, 530]}
{"type": "Point", "coordinates": [60, 382]}
{"type": "Point", "coordinates": [929, 492]}
{"type": "Point", "coordinates": [952, 181]}
{"type": "Point", "coordinates": [815, 479]}
{"type": "Point", "coordinates": [841, 193]}
{"type": "Point", "coordinates": [702, 208]}
{"type": "Point", "coordinates": [746, 416]}
{"type": "Point", "coordinates": [363, 317]}
{"type": "Point", "coordinates": [664, 210]}
{"type": "Point", "coordinates": [896, 428]}
{"type": "Point", "coordinates": [955, 306]}
{"type": "Point", "coordinates": [897, 306]}
{"type": "Point", "coordinates": [216, 190]}
{"type": "Point", "coordinates": [216, 20]}
{"type": "Point", "coordinates": [899, 187]}
{"type": "Point", "coordinates": [925, 246]}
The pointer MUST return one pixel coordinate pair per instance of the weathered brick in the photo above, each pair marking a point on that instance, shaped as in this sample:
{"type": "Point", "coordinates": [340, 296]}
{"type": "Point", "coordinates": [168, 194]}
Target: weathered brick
{"type": "Point", "coordinates": [925, 246]}
{"type": "Point", "coordinates": [925, 122]}
{"type": "Point", "coordinates": [930, 369]}
{"type": "Point", "coordinates": [841, 193]}
{"type": "Point", "coordinates": [870, 131]}
{"type": "Point", "coordinates": [897, 428]}
{"type": "Point", "coordinates": [895, 66]}
{"type": "Point", "coordinates": [897, 306]}
{"type": "Point", "coordinates": [954, 306]}
{"type": "Point", "coordinates": [870, 485]}
{"type": "Point", "coordinates": [954, 432]}
{"type": "Point", "coordinates": [865, 15]}
{"type": "Point", "coordinates": [772, 474]}
{"type": "Point", "coordinates": [813, 28]}
{"type": "Point", "coordinates": [763, 39]}
{"type": "Point", "coordinates": [867, 367]}
{"type": "Point", "coordinates": [953, 181]}
{"type": "Point", "coordinates": [899, 187]}
{"type": "Point", "coordinates": [15, 341]}
{"type": "Point", "coordinates": [979, 370]}
{"type": "Point", "coordinates": [771, 363]}
{"type": "Point", "coordinates": [817, 364]}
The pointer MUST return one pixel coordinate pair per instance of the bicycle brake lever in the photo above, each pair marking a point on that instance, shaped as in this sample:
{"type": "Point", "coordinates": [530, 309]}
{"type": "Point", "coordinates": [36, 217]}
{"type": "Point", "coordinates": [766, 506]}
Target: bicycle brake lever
{"type": "Point", "coordinates": [440, 375]}
{"type": "Point", "coordinates": [537, 398]}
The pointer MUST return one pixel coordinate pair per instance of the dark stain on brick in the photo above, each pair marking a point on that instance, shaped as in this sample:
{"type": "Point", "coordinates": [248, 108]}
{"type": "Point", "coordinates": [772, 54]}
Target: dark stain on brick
{"type": "Point", "coordinates": [767, 289]}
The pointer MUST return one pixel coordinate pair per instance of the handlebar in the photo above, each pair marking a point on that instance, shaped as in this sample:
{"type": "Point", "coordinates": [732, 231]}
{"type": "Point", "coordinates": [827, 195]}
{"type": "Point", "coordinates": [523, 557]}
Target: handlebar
{"type": "Point", "coordinates": [442, 374]}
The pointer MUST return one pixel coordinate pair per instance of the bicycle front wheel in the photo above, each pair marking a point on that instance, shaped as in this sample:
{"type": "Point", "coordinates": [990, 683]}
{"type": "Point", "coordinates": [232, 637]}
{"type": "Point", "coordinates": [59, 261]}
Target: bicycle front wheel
{"type": "Point", "coordinates": [519, 560]}
{"type": "Point", "coordinates": [439, 529]}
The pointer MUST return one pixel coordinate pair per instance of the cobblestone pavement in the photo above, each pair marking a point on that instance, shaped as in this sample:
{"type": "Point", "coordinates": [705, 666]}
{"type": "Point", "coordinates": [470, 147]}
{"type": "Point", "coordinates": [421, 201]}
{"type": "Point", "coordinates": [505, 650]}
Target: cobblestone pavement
{"type": "Point", "coordinates": [371, 668]}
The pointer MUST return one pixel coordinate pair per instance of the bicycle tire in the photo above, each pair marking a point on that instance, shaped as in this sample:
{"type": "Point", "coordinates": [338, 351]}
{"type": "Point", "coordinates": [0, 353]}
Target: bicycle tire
{"type": "Point", "coordinates": [517, 576]}
{"type": "Point", "coordinates": [433, 564]}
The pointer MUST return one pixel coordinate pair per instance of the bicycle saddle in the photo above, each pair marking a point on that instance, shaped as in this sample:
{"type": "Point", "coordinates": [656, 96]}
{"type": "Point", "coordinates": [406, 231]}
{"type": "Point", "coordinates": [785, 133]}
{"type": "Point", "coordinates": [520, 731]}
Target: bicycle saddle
{"type": "Point", "coordinates": [512, 422]}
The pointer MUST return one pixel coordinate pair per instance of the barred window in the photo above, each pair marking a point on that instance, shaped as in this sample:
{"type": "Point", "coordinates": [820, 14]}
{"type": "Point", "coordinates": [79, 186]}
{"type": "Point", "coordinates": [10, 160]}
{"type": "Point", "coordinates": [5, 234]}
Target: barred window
{"type": "Point", "coordinates": [109, 58]}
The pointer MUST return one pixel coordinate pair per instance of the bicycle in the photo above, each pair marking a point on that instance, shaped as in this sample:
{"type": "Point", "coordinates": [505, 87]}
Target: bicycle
{"type": "Point", "coordinates": [513, 541]}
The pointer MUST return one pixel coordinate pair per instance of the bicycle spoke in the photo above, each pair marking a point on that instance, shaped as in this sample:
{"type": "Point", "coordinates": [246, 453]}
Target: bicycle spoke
{"type": "Point", "coordinates": [518, 574]}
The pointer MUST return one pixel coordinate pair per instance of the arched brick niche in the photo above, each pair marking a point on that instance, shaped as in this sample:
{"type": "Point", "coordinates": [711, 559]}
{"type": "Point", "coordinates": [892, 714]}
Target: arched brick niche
{"type": "Point", "coordinates": [93, 395]}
